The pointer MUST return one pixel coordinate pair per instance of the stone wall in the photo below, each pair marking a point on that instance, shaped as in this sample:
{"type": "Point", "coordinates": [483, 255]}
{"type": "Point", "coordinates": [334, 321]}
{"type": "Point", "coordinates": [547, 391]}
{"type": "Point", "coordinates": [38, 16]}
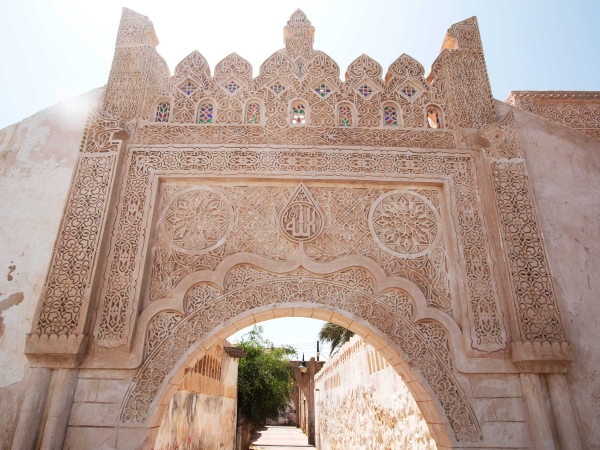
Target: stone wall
{"type": "Point", "coordinates": [362, 402]}
{"type": "Point", "coordinates": [564, 168]}
{"type": "Point", "coordinates": [37, 157]}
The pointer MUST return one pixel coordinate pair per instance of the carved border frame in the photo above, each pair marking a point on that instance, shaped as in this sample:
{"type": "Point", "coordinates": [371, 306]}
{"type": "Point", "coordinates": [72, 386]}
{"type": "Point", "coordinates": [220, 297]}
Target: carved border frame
{"type": "Point", "coordinates": [122, 289]}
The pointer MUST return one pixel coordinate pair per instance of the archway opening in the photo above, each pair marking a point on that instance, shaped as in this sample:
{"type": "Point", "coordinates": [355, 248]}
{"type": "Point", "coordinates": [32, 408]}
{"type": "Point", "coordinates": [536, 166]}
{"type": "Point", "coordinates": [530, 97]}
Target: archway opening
{"type": "Point", "coordinates": [364, 363]}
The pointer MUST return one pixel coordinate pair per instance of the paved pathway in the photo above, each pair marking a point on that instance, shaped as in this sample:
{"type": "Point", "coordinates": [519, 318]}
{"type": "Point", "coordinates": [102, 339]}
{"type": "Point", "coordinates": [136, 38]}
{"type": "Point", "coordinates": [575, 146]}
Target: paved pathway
{"type": "Point", "coordinates": [280, 438]}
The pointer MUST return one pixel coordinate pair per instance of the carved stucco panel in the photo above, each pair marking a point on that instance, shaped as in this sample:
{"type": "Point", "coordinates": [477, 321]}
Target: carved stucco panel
{"type": "Point", "coordinates": [121, 287]}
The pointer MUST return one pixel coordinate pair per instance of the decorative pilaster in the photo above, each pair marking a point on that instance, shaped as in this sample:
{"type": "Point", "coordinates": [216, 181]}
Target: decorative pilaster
{"type": "Point", "coordinates": [58, 336]}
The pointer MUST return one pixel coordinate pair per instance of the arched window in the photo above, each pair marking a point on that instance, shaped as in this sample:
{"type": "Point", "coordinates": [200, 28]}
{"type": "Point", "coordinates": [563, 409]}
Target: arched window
{"type": "Point", "coordinates": [390, 116]}
{"type": "Point", "coordinates": [298, 113]}
{"type": "Point", "coordinates": [162, 112]}
{"type": "Point", "coordinates": [205, 112]}
{"type": "Point", "coordinates": [253, 112]}
{"type": "Point", "coordinates": [345, 116]}
{"type": "Point", "coordinates": [434, 117]}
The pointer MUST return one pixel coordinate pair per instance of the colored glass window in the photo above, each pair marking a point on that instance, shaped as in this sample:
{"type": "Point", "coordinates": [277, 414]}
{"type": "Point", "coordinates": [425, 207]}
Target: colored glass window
{"type": "Point", "coordinates": [278, 88]}
{"type": "Point", "coordinates": [345, 116]}
{"type": "Point", "coordinates": [409, 91]}
{"type": "Point", "coordinates": [434, 117]}
{"type": "Point", "coordinates": [323, 91]}
{"type": "Point", "coordinates": [298, 113]}
{"type": "Point", "coordinates": [365, 90]}
{"type": "Point", "coordinates": [205, 113]}
{"type": "Point", "coordinates": [188, 88]}
{"type": "Point", "coordinates": [253, 113]}
{"type": "Point", "coordinates": [232, 87]}
{"type": "Point", "coordinates": [162, 112]}
{"type": "Point", "coordinates": [390, 116]}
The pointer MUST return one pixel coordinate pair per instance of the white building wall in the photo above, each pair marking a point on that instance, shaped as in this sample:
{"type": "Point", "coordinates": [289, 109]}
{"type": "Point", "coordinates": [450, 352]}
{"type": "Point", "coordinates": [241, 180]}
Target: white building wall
{"type": "Point", "coordinates": [37, 158]}
{"type": "Point", "coordinates": [362, 403]}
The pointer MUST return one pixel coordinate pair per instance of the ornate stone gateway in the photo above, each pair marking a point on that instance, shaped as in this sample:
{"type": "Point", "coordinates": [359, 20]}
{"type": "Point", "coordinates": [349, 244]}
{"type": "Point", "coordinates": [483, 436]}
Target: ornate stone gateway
{"type": "Point", "coordinates": [398, 206]}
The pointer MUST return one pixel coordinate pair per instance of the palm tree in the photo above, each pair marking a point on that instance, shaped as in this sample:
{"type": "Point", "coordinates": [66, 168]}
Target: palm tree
{"type": "Point", "coordinates": [336, 335]}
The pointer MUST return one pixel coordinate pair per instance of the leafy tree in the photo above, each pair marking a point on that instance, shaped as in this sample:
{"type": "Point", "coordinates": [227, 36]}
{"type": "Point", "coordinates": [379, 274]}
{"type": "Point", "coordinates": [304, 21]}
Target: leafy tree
{"type": "Point", "coordinates": [336, 335]}
{"type": "Point", "coordinates": [265, 379]}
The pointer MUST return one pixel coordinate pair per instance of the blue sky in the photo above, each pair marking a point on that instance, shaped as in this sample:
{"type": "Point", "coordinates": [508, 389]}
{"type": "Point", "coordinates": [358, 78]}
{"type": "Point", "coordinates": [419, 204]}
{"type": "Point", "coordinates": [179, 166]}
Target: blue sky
{"type": "Point", "coordinates": [53, 50]}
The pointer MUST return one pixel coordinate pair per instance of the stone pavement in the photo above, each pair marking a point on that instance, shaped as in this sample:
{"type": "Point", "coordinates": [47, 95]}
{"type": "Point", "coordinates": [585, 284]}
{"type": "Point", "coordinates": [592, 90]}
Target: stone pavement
{"type": "Point", "coordinates": [279, 438]}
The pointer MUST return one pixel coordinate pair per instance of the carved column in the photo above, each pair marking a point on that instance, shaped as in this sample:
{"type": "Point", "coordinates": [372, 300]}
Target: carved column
{"type": "Point", "coordinates": [540, 345]}
{"type": "Point", "coordinates": [539, 420]}
{"type": "Point", "coordinates": [64, 382]}
{"type": "Point", "coordinates": [32, 408]}
{"type": "Point", "coordinates": [564, 412]}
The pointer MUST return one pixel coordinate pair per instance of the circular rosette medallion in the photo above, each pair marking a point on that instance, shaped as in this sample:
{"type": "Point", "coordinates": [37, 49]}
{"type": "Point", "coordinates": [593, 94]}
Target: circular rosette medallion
{"type": "Point", "coordinates": [404, 224]}
{"type": "Point", "coordinates": [198, 220]}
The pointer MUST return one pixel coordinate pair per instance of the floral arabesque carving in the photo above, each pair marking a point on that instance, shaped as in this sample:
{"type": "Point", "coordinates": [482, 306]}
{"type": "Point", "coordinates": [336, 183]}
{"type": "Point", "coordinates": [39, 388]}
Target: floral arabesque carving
{"type": "Point", "coordinates": [351, 290]}
{"type": "Point", "coordinates": [121, 277]}
{"type": "Point", "coordinates": [537, 309]}
{"type": "Point", "coordinates": [198, 220]}
{"type": "Point", "coordinates": [75, 251]}
{"type": "Point", "coordinates": [404, 224]}
{"type": "Point", "coordinates": [536, 306]}
{"type": "Point", "coordinates": [160, 327]}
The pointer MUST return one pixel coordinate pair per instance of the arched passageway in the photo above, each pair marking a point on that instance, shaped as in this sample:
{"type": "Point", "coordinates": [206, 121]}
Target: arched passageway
{"type": "Point", "coordinates": [403, 329]}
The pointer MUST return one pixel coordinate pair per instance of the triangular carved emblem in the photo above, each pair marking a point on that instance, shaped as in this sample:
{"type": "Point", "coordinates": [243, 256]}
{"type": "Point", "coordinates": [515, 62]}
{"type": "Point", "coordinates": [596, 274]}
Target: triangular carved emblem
{"type": "Point", "coordinates": [300, 218]}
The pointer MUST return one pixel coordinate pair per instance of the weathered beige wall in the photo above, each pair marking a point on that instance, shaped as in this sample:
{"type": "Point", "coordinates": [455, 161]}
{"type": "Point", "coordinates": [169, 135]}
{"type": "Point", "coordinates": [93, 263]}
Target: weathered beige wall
{"type": "Point", "coordinates": [37, 157]}
{"type": "Point", "coordinates": [363, 403]}
{"type": "Point", "coordinates": [564, 167]}
{"type": "Point", "coordinates": [202, 420]}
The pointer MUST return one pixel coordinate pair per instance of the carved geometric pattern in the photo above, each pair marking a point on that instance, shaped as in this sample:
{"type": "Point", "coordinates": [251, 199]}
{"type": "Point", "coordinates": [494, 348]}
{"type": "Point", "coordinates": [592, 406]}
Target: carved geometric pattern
{"type": "Point", "coordinates": [75, 251]}
{"type": "Point", "coordinates": [121, 278]}
{"type": "Point", "coordinates": [351, 290]}
{"type": "Point", "coordinates": [160, 327]}
{"type": "Point", "coordinates": [537, 308]}
{"type": "Point", "coordinates": [198, 220]}
{"type": "Point", "coordinates": [404, 224]}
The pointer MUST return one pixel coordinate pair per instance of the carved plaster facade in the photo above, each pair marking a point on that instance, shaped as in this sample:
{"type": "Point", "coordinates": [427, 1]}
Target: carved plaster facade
{"type": "Point", "coordinates": [398, 206]}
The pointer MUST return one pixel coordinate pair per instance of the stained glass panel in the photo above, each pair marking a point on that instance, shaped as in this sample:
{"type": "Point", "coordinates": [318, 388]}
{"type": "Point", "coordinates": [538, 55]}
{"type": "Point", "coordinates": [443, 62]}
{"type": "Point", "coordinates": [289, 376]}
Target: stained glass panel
{"type": "Point", "coordinates": [188, 88]}
{"type": "Point", "coordinates": [298, 114]}
{"type": "Point", "coordinates": [409, 91]}
{"type": "Point", "coordinates": [390, 116]}
{"type": "Point", "coordinates": [345, 116]}
{"type": "Point", "coordinates": [162, 112]}
{"type": "Point", "coordinates": [365, 90]}
{"type": "Point", "coordinates": [253, 113]}
{"type": "Point", "coordinates": [205, 113]}
{"type": "Point", "coordinates": [278, 88]}
{"type": "Point", "coordinates": [232, 87]}
{"type": "Point", "coordinates": [322, 90]}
